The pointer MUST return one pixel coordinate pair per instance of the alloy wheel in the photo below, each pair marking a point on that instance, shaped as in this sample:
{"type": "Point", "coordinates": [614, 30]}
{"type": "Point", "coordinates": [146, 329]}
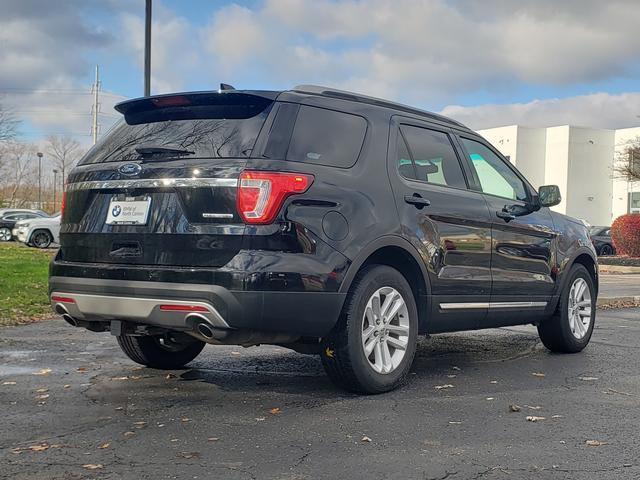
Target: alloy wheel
{"type": "Point", "coordinates": [42, 240]}
{"type": "Point", "coordinates": [385, 330]}
{"type": "Point", "coordinates": [579, 308]}
{"type": "Point", "coordinates": [5, 234]}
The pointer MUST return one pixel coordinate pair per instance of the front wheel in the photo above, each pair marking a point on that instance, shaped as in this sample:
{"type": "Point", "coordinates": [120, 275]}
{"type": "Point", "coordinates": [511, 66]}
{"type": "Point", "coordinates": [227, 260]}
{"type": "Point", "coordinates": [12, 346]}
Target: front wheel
{"type": "Point", "coordinates": [165, 352]}
{"type": "Point", "coordinates": [371, 349]}
{"type": "Point", "coordinates": [570, 328]}
{"type": "Point", "coordinates": [41, 239]}
{"type": "Point", "coordinates": [5, 234]}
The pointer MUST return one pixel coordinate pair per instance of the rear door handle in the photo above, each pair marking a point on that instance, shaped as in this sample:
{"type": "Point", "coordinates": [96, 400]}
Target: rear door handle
{"type": "Point", "coordinates": [417, 200]}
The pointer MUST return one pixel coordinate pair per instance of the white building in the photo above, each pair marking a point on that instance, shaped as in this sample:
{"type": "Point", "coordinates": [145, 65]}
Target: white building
{"type": "Point", "coordinates": [579, 160]}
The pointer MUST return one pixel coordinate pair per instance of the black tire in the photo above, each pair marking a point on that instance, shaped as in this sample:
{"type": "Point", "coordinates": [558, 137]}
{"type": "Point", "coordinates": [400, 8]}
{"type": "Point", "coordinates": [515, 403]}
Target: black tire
{"type": "Point", "coordinates": [555, 331]}
{"type": "Point", "coordinates": [606, 250]}
{"type": "Point", "coordinates": [177, 351]}
{"type": "Point", "coordinates": [41, 239]}
{"type": "Point", "coordinates": [343, 354]}
{"type": "Point", "coordinates": [5, 234]}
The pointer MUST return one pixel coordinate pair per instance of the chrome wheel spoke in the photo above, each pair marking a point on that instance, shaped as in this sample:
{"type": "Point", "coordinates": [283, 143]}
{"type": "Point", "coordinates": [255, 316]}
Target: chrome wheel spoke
{"type": "Point", "coordinates": [583, 303]}
{"type": "Point", "coordinates": [384, 343]}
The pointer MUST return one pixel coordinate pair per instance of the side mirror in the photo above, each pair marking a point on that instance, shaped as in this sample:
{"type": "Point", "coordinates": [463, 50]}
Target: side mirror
{"type": "Point", "coordinates": [549, 195]}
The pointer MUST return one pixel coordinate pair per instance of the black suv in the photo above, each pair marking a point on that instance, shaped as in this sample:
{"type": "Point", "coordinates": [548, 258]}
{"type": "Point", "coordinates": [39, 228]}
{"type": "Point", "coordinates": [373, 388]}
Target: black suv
{"type": "Point", "coordinates": [320, 220]}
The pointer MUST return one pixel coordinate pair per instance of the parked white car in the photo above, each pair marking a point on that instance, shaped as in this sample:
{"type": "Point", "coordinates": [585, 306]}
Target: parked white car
{"type": "Point", "coordinates": [38, 232]}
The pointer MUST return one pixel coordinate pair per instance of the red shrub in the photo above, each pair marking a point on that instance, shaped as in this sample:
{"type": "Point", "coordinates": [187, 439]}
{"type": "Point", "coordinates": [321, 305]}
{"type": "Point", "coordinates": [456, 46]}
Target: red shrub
{"type": "Point", "coordinates": [625, 233]}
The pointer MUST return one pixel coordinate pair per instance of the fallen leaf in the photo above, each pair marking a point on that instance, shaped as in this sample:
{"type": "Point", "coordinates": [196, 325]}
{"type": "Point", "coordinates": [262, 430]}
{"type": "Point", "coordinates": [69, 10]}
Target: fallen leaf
{"type": "Point", "coordinates": [81, 369]}
{"type": "Point", "coordinates": [66, 386]}
{"type": "Point", "coordinates": [556, 416]}
{"type": "Point", "coordinates": [119, 408]}
{"type": "Point", "coordinates": [185, 419]}
{"type": "Point", "coordinates": [365, 439]}
{"type": "Point", "coordinates": [611, 391]}
{"type": "Point", "coordinates": [514, 408]}
{"type": "Point", "coordinates": [189, 454]}
{"type": "Point", "coordinates": [235, 353]}
{"type": "Point", "coordinates": [212, 439]}
{"type": "Point", "coordinates": [452, 376]}
{"type": "Point", "coordinates": [93, 466]}
{"type": "Point", "coordinates": [8, 383]}
{"type": "Point", "coordinates": [104, 445]}
{"type": "Point", "coordinates": [533, 418]}
{"type": "Point", "coordinates": [140, 424]}
{"type": "Point", "coordinates": [534, 407]}
{"type": "Point", "coordinates": [260, 419]}
{"type": "Point", "coordinates": [44, 371]}
{"type": "Point", "coordinates": [119, 378]}
{"type": "Point", "coordinates": [594, 443]}
{"type": "Point", "coordinates": [455, 423]}
{"type": "Point", "coordinates": [170, 376]}
{"type": "Point", "coordinates": [39, 448]}
{"type": "Point", "coordinates": [440, 387]}
{"type": "Point", "coordinates": [42, 390]}
{"type": "Point", "coordinates": [455, 368]}
{"type": "Point", "coordinates": [588, 379]}
{"type": "Point", "coordinates": [539, 375]}
{"type": "Point", "coordinates": [493, 381]}
{"type": "Point", "coordinates": [490, 398]}
{"type": "Point", "coordinates": [275, 411]}
{"type": "Point", "coordinates": [129, 434]}
{"type": "Point", "coordinates": [42, 397]}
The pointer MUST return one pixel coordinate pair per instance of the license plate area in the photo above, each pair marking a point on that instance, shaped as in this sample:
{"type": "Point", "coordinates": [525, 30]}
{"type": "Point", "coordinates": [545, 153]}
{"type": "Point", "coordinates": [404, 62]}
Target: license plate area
{"type": "Point", "coordinates": [127, 210]}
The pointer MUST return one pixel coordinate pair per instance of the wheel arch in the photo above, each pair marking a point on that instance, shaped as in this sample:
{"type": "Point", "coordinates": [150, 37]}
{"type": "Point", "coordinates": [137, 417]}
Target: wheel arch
{"type": "Point", "coordinates": [398, 253]}
{"type": "Point", "coordinates": [582, 257]}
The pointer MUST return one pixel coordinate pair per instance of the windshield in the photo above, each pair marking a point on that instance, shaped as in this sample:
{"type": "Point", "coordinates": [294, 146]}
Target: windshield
{"type": "Point", "coordinates": [595, 230]}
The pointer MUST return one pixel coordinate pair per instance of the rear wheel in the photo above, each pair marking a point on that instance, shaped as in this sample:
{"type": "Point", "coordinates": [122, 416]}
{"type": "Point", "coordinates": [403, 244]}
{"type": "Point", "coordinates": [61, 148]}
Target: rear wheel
{"type": "Point", "coordinates": [165, 352]}
{"type": "Point", "coordinates": [606, 250]}
{"type": "Point", "coordinates": [5, 234]}
{"type": "Point", "coordinates": [569, 329]}
{"type": "Point", "coordinates": [371, 349]}
{"type": "Point", "coordinates": [41, 239]}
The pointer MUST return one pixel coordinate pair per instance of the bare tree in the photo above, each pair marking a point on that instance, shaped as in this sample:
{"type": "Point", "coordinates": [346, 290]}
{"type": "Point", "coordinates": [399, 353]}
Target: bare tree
{"type": "Point", "coordinates": [627, 165]}
{"type": "Point", "coordinates": [65, 152]}
{"type": "Point", "coordinates": [19, 177]}
{"type": "Point", "coordinates": [8, 124]}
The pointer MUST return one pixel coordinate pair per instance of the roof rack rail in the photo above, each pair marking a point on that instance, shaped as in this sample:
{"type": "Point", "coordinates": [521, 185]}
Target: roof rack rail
{"type": "Point", "coordinates": [357, 97]}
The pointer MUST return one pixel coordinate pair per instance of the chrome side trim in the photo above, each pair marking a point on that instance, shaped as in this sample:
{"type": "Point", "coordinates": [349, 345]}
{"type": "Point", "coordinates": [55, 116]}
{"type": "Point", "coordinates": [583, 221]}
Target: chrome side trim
{"type": "Point", "coordinates": [491, 305]}
{"type": "Point", "coordinates": [143, 310]}
{"type": "Point", "coordinates": [153, 183]}
{"type": "Point", "coordinates": [217, 215]}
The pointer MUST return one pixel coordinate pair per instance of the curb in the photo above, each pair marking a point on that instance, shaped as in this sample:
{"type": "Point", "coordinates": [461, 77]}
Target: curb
{"type": "Point", "coordinates": [618, 270]}
{"type": "Point", "coordinates": [627, 301]}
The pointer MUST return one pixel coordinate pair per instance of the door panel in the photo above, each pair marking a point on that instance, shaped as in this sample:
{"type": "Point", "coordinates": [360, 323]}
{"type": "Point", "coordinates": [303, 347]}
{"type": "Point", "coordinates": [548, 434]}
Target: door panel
{"type": "Point", "coordinates": [523, 248]}
{"type": "Point", "coordinates": [450, 227]}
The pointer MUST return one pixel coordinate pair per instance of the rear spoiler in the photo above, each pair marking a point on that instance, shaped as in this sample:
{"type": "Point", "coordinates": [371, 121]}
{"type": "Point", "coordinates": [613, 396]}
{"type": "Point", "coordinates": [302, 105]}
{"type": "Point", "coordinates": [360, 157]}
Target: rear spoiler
{"type": "Point", "coordinates": [258, 100]}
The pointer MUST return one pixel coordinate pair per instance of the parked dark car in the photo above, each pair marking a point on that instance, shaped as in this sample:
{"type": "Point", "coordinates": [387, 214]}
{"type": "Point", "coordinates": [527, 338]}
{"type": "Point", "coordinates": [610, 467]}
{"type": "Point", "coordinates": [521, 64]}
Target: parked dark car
{"type": "Point", "coordinates": [321, 220]}
{"type": "Point", "coordinates": [601, 239]}
{"type": "Point", "coordinates": [8, 221]}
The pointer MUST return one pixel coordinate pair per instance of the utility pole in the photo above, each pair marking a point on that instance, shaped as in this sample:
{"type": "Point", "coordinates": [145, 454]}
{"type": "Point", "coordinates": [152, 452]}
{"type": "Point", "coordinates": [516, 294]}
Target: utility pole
{"type": "Point", "coordinates": [96, 105]}
{"type": "Point", "coordinates": [39, 180]}
{"type": "Point", "coordinates": [147, 49]}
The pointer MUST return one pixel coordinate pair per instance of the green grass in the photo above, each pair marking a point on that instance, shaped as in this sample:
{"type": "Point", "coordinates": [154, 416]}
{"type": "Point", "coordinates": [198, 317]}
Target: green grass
{"type": "Point", "coordinates": [23, 283]}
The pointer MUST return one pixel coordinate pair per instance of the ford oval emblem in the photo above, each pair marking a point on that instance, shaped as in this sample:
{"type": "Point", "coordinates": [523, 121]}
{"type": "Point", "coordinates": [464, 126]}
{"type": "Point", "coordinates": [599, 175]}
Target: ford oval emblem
{"type": "Point", "coordinates": [130, 169]}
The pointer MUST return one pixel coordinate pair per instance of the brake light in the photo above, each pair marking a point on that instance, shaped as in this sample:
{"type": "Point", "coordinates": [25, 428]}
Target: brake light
{"type": "Point", "coordinates": [261, 194]}
{"type": "Point", "coordinates": [171, 101]}
{"type": "Point", "coordinates": [63, 203]}
{"type": "Point", "coordinates": [60, 299]}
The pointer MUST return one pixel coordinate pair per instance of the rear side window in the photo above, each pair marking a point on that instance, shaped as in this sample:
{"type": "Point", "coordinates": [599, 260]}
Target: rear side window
{"type": "Point", "coordinates": [326, 137]}
{"type": "Point", "coordinates": [222, 130]}
{"type": "Point", "coordinates": [433, 157]}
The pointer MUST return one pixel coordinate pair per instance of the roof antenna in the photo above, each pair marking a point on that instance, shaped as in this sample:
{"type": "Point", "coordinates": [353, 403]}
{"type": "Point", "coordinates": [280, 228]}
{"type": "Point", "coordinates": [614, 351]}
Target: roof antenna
{"type": "Point", "coordinates": [226, 86]}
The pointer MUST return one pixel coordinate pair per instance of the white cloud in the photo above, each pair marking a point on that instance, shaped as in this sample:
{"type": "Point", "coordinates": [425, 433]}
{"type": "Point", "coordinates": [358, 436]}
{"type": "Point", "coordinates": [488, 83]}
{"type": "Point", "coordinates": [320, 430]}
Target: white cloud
{"type": "Point", "coordinates": [598, 110]}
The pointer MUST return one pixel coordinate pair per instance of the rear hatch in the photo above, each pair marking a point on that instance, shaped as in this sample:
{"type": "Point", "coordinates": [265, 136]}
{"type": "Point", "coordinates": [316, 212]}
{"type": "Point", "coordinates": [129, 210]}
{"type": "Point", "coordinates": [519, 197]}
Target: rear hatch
{"type": "Point", "coordinates": [160, 187]}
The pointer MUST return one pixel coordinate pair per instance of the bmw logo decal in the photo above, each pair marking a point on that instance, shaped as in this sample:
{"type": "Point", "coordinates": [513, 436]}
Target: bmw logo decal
{"type": "Point", "coordinates": [130, 169]}
{"type": "Point", "coordinates": [116, 210]}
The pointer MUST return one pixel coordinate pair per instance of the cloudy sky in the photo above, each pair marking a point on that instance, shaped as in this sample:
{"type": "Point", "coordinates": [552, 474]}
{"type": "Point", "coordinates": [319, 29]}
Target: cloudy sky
{"type": "Point", "coordinates": [486, 63]}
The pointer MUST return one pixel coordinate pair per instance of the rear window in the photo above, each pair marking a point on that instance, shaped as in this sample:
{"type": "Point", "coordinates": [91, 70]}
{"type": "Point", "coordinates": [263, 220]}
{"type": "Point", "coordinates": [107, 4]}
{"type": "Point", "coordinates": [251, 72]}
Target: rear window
{"type": "Point", "coordinates": [326, 137]}
{"type": "Point", "coordinates": [206, 131]}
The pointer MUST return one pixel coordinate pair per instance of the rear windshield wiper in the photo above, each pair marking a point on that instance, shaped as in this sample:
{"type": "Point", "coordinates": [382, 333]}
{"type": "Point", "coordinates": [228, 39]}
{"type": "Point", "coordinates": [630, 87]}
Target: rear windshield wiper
{"type": "Point", "coordinates": [160, 153]}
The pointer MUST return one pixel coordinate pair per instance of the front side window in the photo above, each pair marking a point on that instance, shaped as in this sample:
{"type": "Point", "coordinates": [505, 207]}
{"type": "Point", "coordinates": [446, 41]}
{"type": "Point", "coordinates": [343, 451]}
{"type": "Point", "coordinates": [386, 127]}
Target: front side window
{"type": "Point", "coordinates": [496, 178]}
{"type": "Point", "coordinates": [432, 157]}
{"type": "Point", "coordinates": [326, 137]}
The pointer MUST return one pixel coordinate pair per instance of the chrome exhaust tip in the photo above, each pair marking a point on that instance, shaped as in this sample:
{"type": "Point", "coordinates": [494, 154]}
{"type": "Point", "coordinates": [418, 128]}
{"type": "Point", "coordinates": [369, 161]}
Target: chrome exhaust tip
{"type": "Point", "coordinates": [60, 309]}
{"type": "Point", "coordinates": [70, 320]}
{"type": "Point", "coordinates": [205, 330]}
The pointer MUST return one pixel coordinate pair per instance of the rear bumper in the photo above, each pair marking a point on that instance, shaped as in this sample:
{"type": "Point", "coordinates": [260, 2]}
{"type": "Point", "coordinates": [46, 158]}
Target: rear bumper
{"type": "Point", "coordinates": [295, 312]}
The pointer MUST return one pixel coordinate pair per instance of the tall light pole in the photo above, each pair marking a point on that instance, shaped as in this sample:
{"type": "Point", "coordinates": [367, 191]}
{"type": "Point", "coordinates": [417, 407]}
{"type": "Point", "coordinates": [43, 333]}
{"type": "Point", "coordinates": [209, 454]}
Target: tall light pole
{"type": "Point", "coordinates": [55, 183]}
{"type": "Point", "coordinates": [147, 49]}
{"type": "Point", "coordinates": [39, 180]}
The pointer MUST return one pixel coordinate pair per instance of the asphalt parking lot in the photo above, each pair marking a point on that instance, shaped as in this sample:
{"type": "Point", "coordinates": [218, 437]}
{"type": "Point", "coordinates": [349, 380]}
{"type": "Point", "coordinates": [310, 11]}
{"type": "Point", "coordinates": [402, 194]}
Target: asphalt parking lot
{"type": "Point", "coordinates": [74, 407]}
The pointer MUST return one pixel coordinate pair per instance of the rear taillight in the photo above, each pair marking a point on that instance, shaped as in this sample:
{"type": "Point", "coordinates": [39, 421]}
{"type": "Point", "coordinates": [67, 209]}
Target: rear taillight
{"type": "Point", "coordinates": [261, 194]}
{"type": "Point", "coordinates": [63, 203]}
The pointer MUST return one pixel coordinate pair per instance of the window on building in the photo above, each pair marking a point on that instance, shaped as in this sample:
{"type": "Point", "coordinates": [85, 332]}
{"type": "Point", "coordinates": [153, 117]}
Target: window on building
{"type": "Point", "coordinates": [433, 158]}
{"type": "Point", "coordinates": [634, 202]}
{"type": "Point", "coordinates": [496, 178]}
